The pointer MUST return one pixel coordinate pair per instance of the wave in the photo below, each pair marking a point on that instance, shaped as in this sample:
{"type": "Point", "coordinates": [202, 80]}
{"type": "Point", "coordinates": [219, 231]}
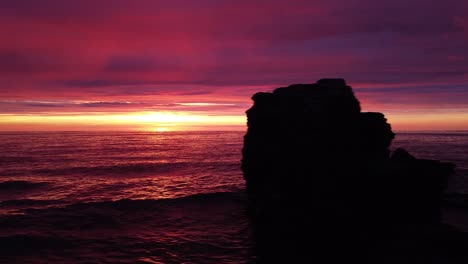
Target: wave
{"type": "Point", "coordinates": [138, 168]}
{"type": "Point", "coordinates": [201, 228]}
{"type": "Point", "coordinates": [150, 204]}
{"type": "Point", "coordinates": [34, 207]}
{"type": "Point", "coordinates": [191, 229]}
{"type": "Point", "coordinates": [20, 185]}
{"type": "Point", "coordinates": [27, 203]}
{"type": "Point", "coordinates": [459, 200]}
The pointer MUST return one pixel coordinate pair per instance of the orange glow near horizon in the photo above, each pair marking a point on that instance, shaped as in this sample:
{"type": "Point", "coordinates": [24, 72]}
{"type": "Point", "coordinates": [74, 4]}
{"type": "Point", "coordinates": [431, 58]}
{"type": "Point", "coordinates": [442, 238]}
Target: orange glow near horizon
{"type": "Point", "coordinates": [428, 121]}
{"type": "Point", "coordinates": [166, 121]}
{"type": "Point", "coordinates": [140, 121]}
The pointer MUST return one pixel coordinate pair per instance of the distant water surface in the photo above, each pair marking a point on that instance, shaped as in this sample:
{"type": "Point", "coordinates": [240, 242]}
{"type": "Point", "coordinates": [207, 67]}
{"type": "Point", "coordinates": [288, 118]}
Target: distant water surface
{"type": "Point", "coordinates": [444, 146]}
{"type": "Point", "coordinates": [72, 167]}
{"type": "Point", "coordinates": [173, 197]}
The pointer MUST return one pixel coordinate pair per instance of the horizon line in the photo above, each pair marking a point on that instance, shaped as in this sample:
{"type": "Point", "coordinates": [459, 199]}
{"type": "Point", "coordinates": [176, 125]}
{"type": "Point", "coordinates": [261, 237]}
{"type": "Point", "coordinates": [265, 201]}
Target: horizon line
{"type": "Point", "coordinates": [185, 131]}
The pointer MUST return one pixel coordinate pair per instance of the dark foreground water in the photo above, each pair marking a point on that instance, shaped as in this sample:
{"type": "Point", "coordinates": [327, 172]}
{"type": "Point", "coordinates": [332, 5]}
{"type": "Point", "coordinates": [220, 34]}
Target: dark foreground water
{"type": "Point", "coordinates": [172, 197]}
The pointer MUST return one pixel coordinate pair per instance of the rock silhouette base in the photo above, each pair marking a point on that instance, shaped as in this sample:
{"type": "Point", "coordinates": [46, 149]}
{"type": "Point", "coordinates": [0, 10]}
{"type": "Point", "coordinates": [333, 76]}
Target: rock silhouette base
{"type": "Point", "coordinates": [323, 186]}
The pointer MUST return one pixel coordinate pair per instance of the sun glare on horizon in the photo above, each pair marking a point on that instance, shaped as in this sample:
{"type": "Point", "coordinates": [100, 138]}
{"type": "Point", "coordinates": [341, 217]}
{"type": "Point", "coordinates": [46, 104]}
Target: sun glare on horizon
{"type": "Point", "coordinates": [148, 121]}
{"type": "Point", "coordinates": [161, 129]}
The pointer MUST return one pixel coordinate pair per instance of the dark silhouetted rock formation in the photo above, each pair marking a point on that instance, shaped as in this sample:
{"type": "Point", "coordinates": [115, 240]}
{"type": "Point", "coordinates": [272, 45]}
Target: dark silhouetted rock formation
{"type": "Point", "coordinates": [322, 184]}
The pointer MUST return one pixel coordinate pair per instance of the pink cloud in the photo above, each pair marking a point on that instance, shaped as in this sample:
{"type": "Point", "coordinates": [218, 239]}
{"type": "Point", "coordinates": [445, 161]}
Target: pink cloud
{"type": "Point", "coordinates": [168, 52]}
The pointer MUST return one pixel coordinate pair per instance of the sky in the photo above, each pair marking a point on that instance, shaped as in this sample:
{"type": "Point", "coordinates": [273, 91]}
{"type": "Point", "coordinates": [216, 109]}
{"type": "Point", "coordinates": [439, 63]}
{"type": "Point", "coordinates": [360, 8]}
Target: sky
{"type": "Point", "coordinates": [193, 65]}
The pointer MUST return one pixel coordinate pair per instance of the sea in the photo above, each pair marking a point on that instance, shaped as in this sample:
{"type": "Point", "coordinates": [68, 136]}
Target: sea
{"type": "Point", "coordinates": [145, 197]}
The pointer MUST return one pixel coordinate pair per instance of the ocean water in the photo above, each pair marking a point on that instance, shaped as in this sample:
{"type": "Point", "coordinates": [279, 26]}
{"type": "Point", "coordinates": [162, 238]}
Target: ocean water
{"type": "Point", "coordinates": [73, 167]}
{"type": "Point", "coordinates": [444, 146]}
{"type": "Point", "coordinates": [126, 197]}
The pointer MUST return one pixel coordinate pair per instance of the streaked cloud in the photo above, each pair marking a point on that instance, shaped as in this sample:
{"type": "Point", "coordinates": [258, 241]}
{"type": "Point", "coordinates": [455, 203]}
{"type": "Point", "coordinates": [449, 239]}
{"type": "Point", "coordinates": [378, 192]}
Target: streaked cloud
{"type": "Point", "coordinates": [95, 56]}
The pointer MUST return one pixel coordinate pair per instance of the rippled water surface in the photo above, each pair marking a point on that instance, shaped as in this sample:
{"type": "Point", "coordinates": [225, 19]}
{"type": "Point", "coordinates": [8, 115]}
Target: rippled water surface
{"type": "Point", "coordinates": [448, 146]}
{"type": "Point", "coordinates": [84, 167]}
{"type": "Point", "coordinates": [176, 197]}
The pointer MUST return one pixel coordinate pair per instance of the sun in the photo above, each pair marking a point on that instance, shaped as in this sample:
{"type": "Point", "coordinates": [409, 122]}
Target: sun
{"type": "Point", "coordinates": [161, 129]}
